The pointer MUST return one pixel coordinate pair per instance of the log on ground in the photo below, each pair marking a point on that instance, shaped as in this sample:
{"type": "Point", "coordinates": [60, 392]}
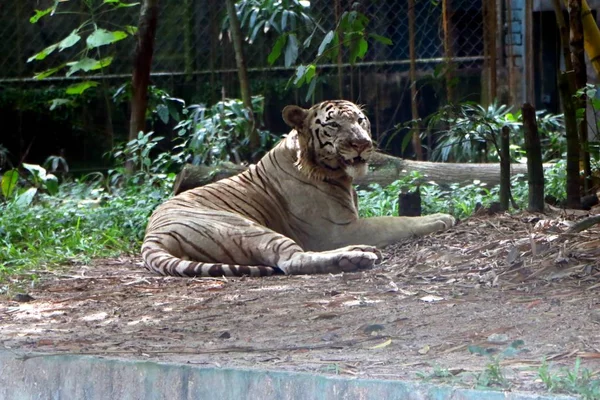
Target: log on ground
{"type": "Point", "coordinates": [383, 169]}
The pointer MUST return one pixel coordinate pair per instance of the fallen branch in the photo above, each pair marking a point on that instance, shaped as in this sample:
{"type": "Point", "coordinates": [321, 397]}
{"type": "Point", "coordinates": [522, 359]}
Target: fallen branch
{"type": "Point", "coordinates": [584, 224]}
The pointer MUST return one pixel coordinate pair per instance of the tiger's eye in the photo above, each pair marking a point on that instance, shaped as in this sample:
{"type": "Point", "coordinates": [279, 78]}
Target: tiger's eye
{"type": "Point", "coordinates": [361, 120]}
{"type": "Point", "coordinates": [334, 125]}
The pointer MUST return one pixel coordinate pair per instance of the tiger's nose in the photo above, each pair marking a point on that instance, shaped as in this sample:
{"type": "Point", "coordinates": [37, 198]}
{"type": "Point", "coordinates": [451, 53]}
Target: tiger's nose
{"type": "Point", "coordinates": [360, 145]}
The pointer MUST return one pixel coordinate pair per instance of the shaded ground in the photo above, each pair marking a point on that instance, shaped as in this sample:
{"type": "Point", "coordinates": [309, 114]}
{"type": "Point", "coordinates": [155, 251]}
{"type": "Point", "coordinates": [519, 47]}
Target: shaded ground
{"type": "Point", "coordinates": [487, 283]}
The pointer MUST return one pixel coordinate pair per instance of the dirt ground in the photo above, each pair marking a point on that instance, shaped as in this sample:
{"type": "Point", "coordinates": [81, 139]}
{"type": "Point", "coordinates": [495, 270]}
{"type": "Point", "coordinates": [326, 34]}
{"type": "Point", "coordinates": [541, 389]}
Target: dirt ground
{"type": "Point", "coordinates": [433, 304]}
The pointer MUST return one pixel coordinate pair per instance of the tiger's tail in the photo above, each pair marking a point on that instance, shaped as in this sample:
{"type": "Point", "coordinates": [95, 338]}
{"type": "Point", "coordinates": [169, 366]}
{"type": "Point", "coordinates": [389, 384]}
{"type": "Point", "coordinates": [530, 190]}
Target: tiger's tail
{"type": "Point", "coordinates": [159, 260]}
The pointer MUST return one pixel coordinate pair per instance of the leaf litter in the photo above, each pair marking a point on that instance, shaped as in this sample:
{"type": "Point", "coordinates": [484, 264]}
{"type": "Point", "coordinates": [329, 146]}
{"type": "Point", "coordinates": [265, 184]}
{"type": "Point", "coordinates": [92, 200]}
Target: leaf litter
{"type": "Point", "coordinates": [486, 284]}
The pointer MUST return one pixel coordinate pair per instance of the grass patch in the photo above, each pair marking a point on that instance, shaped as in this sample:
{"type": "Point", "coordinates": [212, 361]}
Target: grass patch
{"type": "Point", "coordinates": [83, 221]}
{"type": "Point", "coordinates": [458, 200]}
{"type": "Point", "coordinates": [577, 380]}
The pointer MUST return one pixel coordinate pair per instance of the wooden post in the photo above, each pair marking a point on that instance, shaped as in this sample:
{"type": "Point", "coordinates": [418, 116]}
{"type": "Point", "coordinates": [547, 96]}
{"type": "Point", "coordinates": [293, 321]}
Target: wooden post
{"type": "Point", "coordinates": [573, 184]}
{"type": "Point", "coordinates": [416, 139]}
{"type": "Point", "coordinates": [535, 170]}
{"type": "Point", "coordinates": [505, 168]}
{"type": "Point", "coordinates": [409, 203]}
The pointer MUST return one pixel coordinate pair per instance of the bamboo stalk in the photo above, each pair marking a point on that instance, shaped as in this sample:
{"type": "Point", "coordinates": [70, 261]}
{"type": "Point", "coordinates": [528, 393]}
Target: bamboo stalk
{"type": "Point", "coordinates": [591, 35]}
{"type": "Point", "coordinates": [535, 169]}
{"type": "Point", "coordinates": [578, 59]}
{"type": "Point", "coordinates": [573, 185]}
{"type": "Point", "coordinates": [505, 168]}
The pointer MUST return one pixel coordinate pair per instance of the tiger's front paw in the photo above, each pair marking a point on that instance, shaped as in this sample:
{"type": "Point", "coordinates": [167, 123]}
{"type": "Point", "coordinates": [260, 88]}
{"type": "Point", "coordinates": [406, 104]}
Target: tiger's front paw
{"type": "Point", "coordinates": [432, 223]}
{"type": "Point", "coordinates": [365, 248]}
{"type": "Point", "coordinates": [445, 221]}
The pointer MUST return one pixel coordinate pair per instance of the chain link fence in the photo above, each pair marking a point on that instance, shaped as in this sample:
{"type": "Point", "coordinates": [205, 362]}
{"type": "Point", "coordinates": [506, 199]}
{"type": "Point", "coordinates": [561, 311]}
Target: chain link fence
{"type": "Point", "coordinates": [190, 40]}
{"type": "Point", "coordinates": [194, 58]}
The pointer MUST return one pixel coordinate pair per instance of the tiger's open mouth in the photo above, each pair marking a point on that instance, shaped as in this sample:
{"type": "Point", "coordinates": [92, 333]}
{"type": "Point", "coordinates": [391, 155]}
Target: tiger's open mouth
{"type": "Point", "coordinates": [358, 160]}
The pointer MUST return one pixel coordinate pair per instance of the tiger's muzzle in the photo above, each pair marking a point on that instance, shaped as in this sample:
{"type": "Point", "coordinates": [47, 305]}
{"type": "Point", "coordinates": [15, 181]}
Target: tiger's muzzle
{"type": "Point", "coordinates": [356, 152]}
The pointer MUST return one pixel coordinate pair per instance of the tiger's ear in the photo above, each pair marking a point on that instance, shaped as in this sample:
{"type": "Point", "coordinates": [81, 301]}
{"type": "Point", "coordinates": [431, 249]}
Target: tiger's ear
{"type": "Point", "coordinates": [294, 116]}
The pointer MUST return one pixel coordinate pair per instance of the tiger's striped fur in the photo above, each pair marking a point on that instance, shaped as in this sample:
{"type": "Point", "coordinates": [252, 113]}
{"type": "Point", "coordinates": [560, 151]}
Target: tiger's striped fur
{"type": "Point", "coordinates": [294, 212]}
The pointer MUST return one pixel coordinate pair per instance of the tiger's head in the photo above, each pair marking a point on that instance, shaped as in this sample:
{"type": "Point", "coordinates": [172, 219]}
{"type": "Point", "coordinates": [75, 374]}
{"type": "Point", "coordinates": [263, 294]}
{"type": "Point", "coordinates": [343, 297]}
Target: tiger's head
{"type": "Point", "coordinates": [334, 139]}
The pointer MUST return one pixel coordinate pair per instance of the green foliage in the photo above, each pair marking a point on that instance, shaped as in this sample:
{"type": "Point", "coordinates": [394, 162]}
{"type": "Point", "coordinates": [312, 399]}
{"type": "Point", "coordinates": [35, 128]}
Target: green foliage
{"type": "Point", "coordinates": [351, 34]}
{"type": "Point", "coordinates": [83, 221]}
{"type": "Point", "coordinates": [593, 119]}
{"type": "Point", "coordinates": [458, 200]}
{"type": "Point", "coordinates": [45, 226]}
{"type": "Point", "coordinates": [579, 381]}
{"type": "Point", "coordinates": [54, 163]}
{"type": "Point", "coordinates": [37, 177]}
{"type": "Point", "coordinates": [288, 18]}
{"type": "Point", "coordinates": [492, 377]}
{"type": "Point", "coordinates": [473, 133]}
{"type": "Point", "coordinates": [219, 133]}
{"type": "Point", "coordinates": [41, 179]}
{"type": "Point", "coordinates": [296, 30]}
{"type": "Point", "coordinates": [555, 179]}
{"type": "Point", "coordinates": [438, 373]}
{"type": "Point", "coordinates": [161, 105]}
{"type": "Point", "coordinates": [149, 170]}
{"type": "Point", "coordinates": [9, 183]}
{"type": "Point", "coordinates": [89, 58]}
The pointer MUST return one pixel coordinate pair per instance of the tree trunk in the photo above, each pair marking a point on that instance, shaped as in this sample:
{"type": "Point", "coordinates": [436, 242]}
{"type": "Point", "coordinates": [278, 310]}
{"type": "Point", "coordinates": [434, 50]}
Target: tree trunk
{"type": "Point", "coordinates": [340, 81]}
{"type": "Point", "coordinates": [573, 193]}
{"type": "Point", "coordinates": [448, 53]}
{"type": "Point", "coordinates": [384, 169]}
{"type": "Point", "coordinates": [530, 53]}
{"type": "Point", "coordinates": [578, 59]}
{"type": "Point", "coordinates": [563, 29]}
{"type": "Point", "coordinates": [492, 31]}
{"type": "Point", "coordinates": [236, 38]}
{"type": "Point", "coordinates": [142, 63]}
{"type": "Point", "coordinates": [416, 139]}
{"type": "Point", "coordinates": [504, 168]}
{"type": "Point", "coordinates": [533, 149]}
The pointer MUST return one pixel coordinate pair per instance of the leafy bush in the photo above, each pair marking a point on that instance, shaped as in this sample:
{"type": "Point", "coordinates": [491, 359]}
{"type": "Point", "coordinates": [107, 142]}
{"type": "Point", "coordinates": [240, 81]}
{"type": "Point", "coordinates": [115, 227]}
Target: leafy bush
{"type": "Point", "coordinates": [81, 222]}
{"type": "Point", "coordinates": [49, 224]}
{"type": "Point", "coordinates": [458, 200]}
{"type": "Point", "coordinates": [473, 133]}
{"type": "Point", "coordinates": [219, 133]}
